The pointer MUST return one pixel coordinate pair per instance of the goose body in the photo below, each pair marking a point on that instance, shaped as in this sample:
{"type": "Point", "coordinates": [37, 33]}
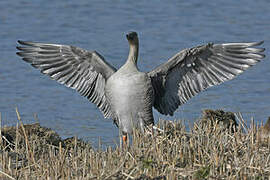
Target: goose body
{"type": "Point", "coordinates": [127, 95]}
{"type": "Point", "coordinates": [130, 97]}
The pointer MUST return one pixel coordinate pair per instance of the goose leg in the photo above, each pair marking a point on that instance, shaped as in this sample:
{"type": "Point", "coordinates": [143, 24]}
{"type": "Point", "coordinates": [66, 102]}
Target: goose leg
{"type": "Point", "coordinates": [124, 137]}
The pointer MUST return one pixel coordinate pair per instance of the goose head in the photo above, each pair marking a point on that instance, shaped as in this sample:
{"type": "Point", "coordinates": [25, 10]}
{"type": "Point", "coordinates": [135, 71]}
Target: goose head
{"type": "Point", "coordinates": [132, 38]}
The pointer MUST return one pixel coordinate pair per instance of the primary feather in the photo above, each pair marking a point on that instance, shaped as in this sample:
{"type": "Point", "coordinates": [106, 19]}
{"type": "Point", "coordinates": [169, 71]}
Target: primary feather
{"type": "Point", "coordinates": [127, 95]}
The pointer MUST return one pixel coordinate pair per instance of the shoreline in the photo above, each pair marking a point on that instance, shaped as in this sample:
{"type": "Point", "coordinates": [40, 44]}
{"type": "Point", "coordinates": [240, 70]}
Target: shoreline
{"type": "Point", "coordinates": [218, 146]}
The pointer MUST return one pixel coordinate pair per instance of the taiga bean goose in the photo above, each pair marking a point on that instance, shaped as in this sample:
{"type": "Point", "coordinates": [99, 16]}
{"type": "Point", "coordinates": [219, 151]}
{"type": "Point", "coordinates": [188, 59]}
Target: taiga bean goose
{"type": "Point", "coordinates": [127, 95]}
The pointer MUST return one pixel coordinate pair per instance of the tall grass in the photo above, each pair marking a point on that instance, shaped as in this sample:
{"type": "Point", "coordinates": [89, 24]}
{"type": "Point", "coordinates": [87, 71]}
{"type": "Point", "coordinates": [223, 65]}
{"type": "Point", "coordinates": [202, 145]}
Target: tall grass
{"type": "Point", "coordinates": [206, 151]}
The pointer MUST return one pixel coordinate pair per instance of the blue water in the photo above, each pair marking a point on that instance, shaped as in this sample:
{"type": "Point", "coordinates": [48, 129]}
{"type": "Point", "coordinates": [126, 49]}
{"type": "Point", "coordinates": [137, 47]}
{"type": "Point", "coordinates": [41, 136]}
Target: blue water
{"type": "Point", "coordinates": [164, 28]}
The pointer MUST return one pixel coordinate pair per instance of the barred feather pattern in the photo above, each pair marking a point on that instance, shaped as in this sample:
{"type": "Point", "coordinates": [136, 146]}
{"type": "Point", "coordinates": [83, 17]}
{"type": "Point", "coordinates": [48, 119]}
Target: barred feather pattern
{"type": "Point", "coordinates": [74, 67]}
{"type": "Point", "coordinates": [196, 69]}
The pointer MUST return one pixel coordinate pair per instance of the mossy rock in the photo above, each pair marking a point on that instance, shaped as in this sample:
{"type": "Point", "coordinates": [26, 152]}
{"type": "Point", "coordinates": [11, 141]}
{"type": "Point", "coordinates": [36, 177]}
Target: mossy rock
{"type": "Point", "coordinates": [225, 119]}
{"type": "Point", "coordinates": [31, 130]}
{"type": "Point", "coordinates": [35, 131]}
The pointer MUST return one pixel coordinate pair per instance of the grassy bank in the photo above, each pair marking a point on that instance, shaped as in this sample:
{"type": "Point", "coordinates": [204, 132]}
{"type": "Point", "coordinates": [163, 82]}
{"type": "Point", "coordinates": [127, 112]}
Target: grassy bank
{"type": "Point", "coordinates": [209, 150]}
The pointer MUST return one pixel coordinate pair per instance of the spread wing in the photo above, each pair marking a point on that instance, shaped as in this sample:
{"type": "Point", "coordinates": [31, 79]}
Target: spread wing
{"type": "Point", "coordinates": [195, 69]}
{"type": "Point", "coordinates": [72, 66]}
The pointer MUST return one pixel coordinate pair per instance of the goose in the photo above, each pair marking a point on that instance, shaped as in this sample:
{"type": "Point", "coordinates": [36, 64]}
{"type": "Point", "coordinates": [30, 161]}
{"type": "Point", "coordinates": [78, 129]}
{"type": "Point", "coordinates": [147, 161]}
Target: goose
{"type": "Point", "coordinates": [127, 95]}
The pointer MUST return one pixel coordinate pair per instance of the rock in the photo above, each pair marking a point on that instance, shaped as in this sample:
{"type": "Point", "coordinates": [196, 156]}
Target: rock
{"type": "Point", "coordinates": [226, 119]}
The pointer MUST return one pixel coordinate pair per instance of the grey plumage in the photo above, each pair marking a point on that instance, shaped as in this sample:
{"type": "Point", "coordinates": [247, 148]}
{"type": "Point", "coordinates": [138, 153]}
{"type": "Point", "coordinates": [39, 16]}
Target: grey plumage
{"type": "Point", "coordinates": [195, 69]}
{"type": "Point", "coordinates": [128, 95]}
{"type": "Point", "coordinates": [74, 67]}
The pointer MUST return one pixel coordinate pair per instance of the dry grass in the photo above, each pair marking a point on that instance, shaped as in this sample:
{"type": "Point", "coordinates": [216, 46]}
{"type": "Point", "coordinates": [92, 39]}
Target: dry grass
{"type": "Point", "coordinates": [208, 151]}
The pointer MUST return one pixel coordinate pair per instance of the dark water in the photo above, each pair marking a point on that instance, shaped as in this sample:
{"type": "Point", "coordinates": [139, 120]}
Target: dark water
{"type": "Point", "coordinates": [164, 28]}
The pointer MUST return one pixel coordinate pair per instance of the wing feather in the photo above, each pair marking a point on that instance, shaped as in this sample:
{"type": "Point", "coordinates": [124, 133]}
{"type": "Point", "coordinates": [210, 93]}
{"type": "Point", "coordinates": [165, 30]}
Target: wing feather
{"type": "Point", "coordinates": [192, 70]}
{"type": "Point", "coordinates": [74, 67]}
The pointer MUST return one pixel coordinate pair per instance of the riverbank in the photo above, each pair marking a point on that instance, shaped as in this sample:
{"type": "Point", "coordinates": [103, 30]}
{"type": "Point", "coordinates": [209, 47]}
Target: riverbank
{"type": "Point", "coordinates": [219, 146]}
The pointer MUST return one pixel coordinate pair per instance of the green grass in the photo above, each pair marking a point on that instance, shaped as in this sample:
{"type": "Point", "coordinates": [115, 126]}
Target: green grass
{"type": "Point", "coordinates": [207, 151]}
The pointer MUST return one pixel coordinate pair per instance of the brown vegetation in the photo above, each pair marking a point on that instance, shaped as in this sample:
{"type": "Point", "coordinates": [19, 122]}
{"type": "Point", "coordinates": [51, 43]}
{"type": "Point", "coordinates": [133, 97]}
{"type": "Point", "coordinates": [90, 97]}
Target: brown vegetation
{"type": "Point", "coordinates": [208, 150]}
